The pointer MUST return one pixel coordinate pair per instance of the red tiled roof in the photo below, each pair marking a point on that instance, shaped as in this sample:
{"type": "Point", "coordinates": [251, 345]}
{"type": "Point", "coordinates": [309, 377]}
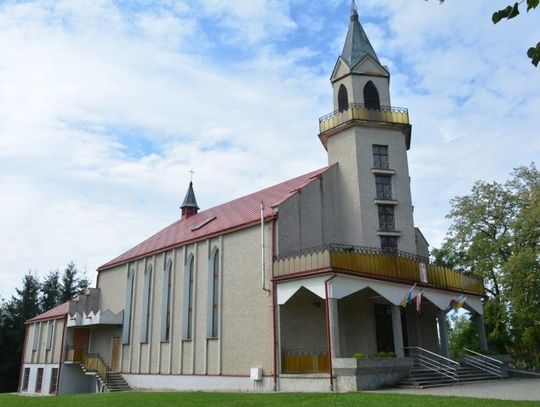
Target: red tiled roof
{"type": "Point", "coordinates": [238, 213]}
{"type": "Point", "coordinates": [54, 313]}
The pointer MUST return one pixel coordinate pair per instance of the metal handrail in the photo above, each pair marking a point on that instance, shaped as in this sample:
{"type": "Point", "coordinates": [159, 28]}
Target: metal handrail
{"type": "Point", "coordinates": [484, 356]}
{"type": "Point", "coordinates": [425, 358]}
{"type": "Point", "coordinates": [483, 362]}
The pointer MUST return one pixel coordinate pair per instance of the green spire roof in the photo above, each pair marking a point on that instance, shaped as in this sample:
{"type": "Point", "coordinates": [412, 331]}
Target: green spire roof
{"type": "Point", "coordinates": [357, 44]}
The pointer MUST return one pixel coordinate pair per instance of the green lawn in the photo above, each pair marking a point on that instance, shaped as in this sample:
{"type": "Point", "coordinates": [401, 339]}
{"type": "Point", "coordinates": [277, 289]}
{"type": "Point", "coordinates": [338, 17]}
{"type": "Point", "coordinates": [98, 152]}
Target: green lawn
{"type": "Point", "coordinates": [150, 399]}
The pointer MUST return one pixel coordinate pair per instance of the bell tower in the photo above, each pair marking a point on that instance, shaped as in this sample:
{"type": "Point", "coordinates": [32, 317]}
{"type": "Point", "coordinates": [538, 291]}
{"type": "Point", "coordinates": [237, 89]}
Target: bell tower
{"type": "Point", "coordinates": [368, 138]}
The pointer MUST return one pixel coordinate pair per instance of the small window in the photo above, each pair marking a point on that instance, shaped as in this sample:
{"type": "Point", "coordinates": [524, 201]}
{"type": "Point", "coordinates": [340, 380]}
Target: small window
{"type": "Point", "coordinates": [54, 380]}
{"type": "Point", "coordinates": [389, 244]}
{"type": "Point", "coordinates": [189, 276]}
{"type": "Point", "coordinates": [39, 380]}
{"type": "Point", "coordinates": [26, 379]}
{"type": "Point", "coordinates": [213, 314]}
{"type": "Point", "coordinates": [383, 185]}
{"type": "Point", "coordinates": [35, 339]}
{"type": "Point", "coordinates": [147, 295]}
{"type": "Point", "coordinates": [386, 218]}
{"type": "Point", "coordinates": [371, 97]}
{"type": "Point", "coordinates": [50, 329]}
{"type": "Point", "coordinates": [343, 98]}
{"type": "Point", "coordinates": [380, 156]}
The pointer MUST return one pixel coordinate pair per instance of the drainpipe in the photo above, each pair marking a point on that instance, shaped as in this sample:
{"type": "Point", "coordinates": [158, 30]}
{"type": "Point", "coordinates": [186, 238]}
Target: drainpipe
{"type": "Point", "coordinates": [263, 262]}
{"type": "Point", "coordinates": [274, 302]}
{"type": "Point", "coordinates": [328, 332]}
{"type": "Point", "coordinates": [21, 370]}
{"type": "Point", "coordinates": [62, 354]}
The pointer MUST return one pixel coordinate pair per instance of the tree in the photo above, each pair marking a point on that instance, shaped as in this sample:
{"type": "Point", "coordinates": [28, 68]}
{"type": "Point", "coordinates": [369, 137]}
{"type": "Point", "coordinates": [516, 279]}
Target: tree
{"type": "Point", "coordinates": [12, 329]}
{"type": "Point", "coordinates": [72, 284]}
{"type": "Point", "coordinates": [50, 291]}
{"type": "Point", "coordinates": [512, 11]}
{"type": "Point", "coordinates": [495, 235]}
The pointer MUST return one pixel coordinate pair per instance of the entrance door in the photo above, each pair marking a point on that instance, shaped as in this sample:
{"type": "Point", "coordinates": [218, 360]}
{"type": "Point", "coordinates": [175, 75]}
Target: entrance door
{"type": "Point", "coordinates": [115, 354]}
{"type": "Point", "coordinates": [383, 327]}
{"type": "Point", "coordinates": [81, 338]}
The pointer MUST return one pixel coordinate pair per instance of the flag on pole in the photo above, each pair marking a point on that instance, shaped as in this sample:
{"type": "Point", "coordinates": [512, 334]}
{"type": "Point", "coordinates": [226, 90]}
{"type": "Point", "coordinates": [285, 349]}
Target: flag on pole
{"type": "Point", "coordinates": [418, 302]}
{"type": "Point", "coordinates": [457, 303]}
{"type": "Point", "coordinates": [408, 298]}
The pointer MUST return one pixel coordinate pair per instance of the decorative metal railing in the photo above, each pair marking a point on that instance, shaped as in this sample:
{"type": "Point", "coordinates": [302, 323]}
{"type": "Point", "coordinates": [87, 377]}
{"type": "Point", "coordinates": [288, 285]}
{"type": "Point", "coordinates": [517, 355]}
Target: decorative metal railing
{"type": "Point", "coordinates": [369, 261]}
{"type": "Point", "coordinates": [297, 361]}
{"type": "Point", "coordinates": [357, 111]}
{"type": "Point", "coordinates": [91, 361]}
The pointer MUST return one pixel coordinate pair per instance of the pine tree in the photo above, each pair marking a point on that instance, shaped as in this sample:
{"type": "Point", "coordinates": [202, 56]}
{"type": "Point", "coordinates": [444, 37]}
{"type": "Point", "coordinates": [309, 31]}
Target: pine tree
{"type": "Point", "coordinates": [50, 291]}
{"type": "Point", "coordinates": [72, 284]}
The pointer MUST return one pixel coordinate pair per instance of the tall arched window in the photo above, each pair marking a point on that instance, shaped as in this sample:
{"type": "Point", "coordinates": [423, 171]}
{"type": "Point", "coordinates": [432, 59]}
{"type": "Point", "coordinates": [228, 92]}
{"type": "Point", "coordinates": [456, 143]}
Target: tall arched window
{"type": "Point", "coordinates": [371, 97]}
{"type": "Point", "coordinates": [343, 98]}
{"type": "Point", "coordinates": [166, 302]}
{"type": "Point", "coordinates": [189, 277]}
{"type": "Point", "coordinates": [126, 328]}
{"type": "Point", "coordinates": [213, 295]}
{"type": "Point", "coordinates": [147, 295]}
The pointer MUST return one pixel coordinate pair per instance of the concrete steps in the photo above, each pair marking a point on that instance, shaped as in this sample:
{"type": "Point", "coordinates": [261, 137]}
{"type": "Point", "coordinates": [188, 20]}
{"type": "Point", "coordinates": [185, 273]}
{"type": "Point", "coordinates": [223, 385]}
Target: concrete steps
{"type": "Point", "coordinates": [115, 382]}
{"type": "Point", "coordinates": [420, 377]}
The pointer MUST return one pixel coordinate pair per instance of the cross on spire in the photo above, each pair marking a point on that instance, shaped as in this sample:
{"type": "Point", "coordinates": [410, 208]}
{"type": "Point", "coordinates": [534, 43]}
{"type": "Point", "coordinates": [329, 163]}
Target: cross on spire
{"type": "Point", "coordinates": [191, 172]}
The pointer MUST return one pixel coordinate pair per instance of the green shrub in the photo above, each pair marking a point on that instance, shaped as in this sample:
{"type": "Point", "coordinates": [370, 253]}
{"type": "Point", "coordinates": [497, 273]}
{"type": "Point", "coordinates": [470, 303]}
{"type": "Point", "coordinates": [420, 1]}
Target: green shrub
{"type": "Point", "coordinates": [360, 355]}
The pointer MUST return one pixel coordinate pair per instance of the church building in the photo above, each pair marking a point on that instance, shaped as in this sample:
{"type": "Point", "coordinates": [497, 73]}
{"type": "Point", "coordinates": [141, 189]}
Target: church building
{"type": "Point", "coordinates": [283, 289]}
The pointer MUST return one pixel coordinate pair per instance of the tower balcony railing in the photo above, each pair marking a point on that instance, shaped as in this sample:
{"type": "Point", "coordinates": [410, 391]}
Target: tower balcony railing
{"type": "Point", "coordinates": [357, 111]}
{"type": "Point", "coordinates": [391, 265]}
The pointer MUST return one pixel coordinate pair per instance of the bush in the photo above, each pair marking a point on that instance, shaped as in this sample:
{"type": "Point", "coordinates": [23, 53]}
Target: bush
{"type": "Point", "coordinates": [360, 355]}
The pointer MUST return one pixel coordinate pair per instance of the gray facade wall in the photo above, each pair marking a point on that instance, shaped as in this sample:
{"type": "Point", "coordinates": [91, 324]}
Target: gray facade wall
{"type": "Point", "coordinates": [244, 339]}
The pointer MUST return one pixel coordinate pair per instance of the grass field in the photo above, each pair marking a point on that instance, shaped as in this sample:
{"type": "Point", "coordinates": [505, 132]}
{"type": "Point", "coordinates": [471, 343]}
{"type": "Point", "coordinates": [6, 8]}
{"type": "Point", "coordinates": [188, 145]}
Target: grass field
{"type": "Point", "coordinates": [136, 399]}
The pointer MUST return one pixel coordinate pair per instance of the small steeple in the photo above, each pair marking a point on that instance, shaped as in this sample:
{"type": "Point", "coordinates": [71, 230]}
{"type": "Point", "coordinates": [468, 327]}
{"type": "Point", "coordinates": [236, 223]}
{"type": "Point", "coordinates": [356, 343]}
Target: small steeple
{"type": "Point", "coordinates": [189, 206]}
{"type": "Point", "coordinates": [357, 44]}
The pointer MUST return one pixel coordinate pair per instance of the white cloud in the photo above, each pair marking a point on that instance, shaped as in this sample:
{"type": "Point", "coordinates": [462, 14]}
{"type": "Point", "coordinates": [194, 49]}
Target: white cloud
{"type": "Point", "coordinates": [103, 111]}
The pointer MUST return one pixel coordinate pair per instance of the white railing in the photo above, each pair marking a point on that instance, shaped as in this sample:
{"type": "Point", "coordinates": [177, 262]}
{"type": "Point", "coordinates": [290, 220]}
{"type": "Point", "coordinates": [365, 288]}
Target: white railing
{"type": "Point", "coordinates": [447, 368]}
{"type": "Point", "coordinates": [482, 362]}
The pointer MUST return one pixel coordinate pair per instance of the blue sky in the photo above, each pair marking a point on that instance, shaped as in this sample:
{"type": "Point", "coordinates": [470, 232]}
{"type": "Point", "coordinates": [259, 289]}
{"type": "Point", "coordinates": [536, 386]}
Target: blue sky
{"type": "Point", "coordinates": [106, 105]}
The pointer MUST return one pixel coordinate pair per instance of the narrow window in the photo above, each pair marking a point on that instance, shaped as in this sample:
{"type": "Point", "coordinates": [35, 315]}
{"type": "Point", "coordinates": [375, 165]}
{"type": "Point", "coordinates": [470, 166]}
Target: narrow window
{"type": "Point", "coordinates": [213, 309]}
{"type": "Point", "coordinates": [389, 244]}
{"type": "Point", "coordinates": [380, 156]}
{"type": "Point", "coordinates": [343, 98]}
{"type": "Point", "coordinates": [39, 380]}
{"type": "Point", "coordinates": [126, 328]}
{"type": "Point", "coordinates": [147, 294]}
{"type": "Point", "coordinates": [35, 339]}
{"type": "Point", "coordinates": [189, 276]}
{"type": "Point", "coordinates": [26, 379]}
{"type": "Point", "coordinates": [386, 218]}
{"type": "Point", "coordinates": [54, 380]}
{"type": "Point", "coordinates": [383, 185]}
{"type": "Point", "coordinates": [50, 329]}
{"type": "Point", "coordinates": [166, 304]}
{"type": "Point", "coordinates": [371, 97]}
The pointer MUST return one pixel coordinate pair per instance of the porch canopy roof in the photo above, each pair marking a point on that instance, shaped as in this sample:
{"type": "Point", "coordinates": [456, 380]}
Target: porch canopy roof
{"type": "Point", "coordinates": [344, 285]}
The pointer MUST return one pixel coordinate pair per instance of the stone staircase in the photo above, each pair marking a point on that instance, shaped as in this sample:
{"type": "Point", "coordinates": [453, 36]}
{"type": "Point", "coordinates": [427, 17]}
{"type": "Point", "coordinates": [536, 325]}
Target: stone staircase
{"type": "Point", "coordinates": [115, 382]}
{"type": "Point", "coordinates": [420, 377]}
{"type": "Point", "coordinates": [433, 370]}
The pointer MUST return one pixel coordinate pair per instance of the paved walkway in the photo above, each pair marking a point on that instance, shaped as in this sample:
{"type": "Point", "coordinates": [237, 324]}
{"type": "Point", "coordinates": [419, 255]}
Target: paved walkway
{"type": "Point", "coordinates": [508, 389]}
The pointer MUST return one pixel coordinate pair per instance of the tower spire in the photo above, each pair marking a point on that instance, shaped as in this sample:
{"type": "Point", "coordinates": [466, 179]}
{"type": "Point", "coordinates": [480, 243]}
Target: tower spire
{"type": "Point", "coordinates": [189, 206]}
{"type": "Point", "coordinates": [357, 44]}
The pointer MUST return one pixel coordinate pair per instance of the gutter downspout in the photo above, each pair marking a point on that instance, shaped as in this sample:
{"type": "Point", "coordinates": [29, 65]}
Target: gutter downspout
{"type": "Point", "coordinates": [274, 301]}
{"type": "Point", "coordinates": [263, 260]}
{"type": "Point", "coordinates": [328, 332]}
{"type": "Point", "coordinates": [62, 354]}
{"type": "Point", "coordinates": [21, 376]}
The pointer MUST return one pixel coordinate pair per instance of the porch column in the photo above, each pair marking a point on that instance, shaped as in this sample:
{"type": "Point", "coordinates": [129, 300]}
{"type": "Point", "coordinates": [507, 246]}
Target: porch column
{"type": "Point", "coordinates": [397, 331]}
{"type": "Point", "coordinates": [481, 332]}
{"type": "Point", "coordinates": [334, 327]}
{"type": "Point", "coordinates": [443, 332]}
